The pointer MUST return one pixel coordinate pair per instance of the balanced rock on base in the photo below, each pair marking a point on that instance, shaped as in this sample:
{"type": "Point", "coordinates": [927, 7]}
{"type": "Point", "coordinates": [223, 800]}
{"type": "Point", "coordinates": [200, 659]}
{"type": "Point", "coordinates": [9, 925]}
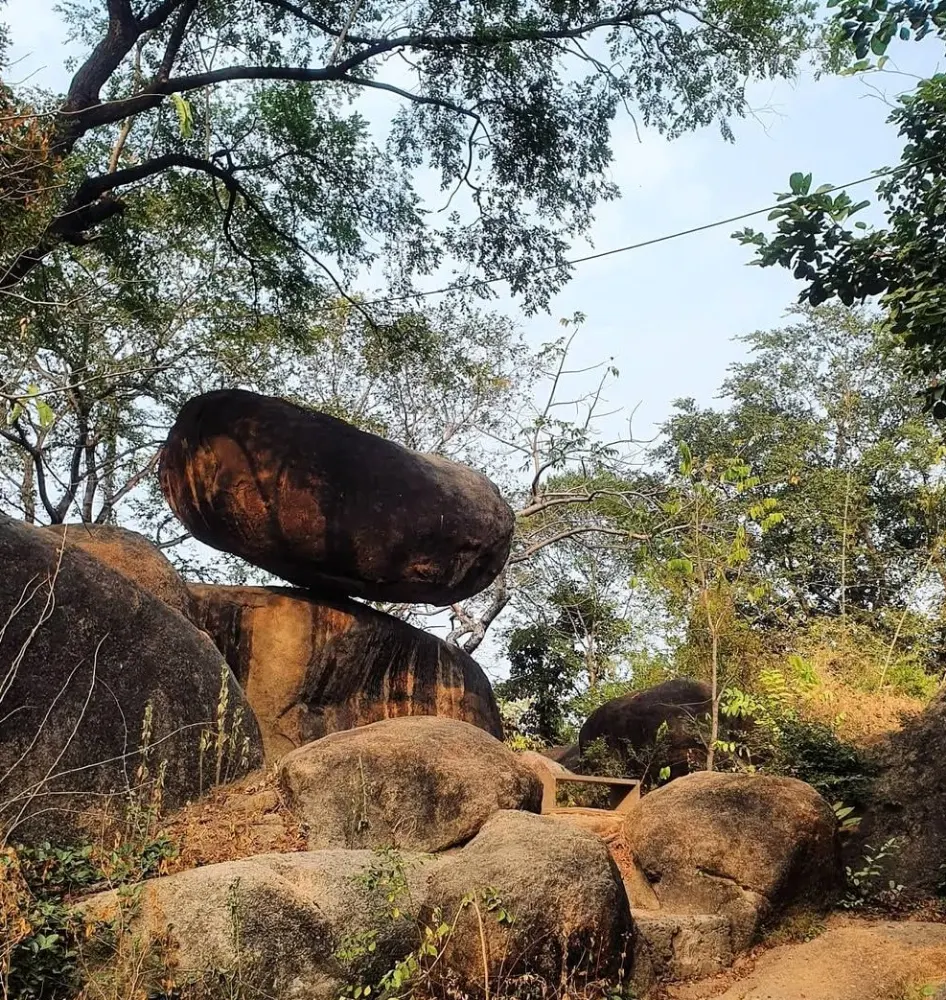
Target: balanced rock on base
{"type": "Point", "coordinates": [328, 507]}
{"type": "Point", "coordinates": [132, 555]}
{"type": "Point", "coordinates": [311, 667]}
{"type": "Point", "coordinates": [419, 784]}
{"type": "Point", "coordinates": [86, 657]}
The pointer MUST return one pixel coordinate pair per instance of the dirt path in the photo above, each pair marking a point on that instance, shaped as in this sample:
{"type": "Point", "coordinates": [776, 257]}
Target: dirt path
{"type": "Point", "coordinates": [852, 960]}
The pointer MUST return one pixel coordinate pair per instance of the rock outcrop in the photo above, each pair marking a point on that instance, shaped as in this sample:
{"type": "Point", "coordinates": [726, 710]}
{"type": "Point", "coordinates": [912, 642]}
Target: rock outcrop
{"type": "Point", "coordinates": [907, 800]}
{"type": "Point", "coordinates": [629, 726]}
{"type": "Point", "coordinates": [851, 960]}
{"type": "Point", "coordinates": [87, 660]}
{"type": "Point", "coordinates": [311, 667]}
{"type": "Point", "coordinates": [328, 507]}
{"type": "Point", "coordinates": [749, 846]}
{"type": "Point", "coordinates": [133, 556]}
{"type": "Point", "coordinates": [419, 784]}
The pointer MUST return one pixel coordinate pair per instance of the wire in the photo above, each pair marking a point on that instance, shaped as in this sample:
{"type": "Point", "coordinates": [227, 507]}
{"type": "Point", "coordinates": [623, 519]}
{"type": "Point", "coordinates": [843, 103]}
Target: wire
{"type": "Point", "coordinates": [651, 242]}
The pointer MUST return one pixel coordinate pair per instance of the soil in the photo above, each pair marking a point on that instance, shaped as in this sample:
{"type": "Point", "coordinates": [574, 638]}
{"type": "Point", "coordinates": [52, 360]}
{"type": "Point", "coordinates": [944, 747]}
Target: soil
{"type": "Point", "coordinates": [853, 959]}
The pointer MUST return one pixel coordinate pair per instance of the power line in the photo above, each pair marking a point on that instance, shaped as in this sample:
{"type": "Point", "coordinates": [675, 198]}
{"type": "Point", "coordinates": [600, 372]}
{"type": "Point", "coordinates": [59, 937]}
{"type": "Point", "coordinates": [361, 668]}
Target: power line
{"type": "Point", "coordinates": [651, 242]}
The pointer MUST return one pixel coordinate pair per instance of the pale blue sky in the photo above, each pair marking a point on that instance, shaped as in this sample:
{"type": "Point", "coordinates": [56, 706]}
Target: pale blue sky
{"type": "Point", "coordinates": [668, 314]}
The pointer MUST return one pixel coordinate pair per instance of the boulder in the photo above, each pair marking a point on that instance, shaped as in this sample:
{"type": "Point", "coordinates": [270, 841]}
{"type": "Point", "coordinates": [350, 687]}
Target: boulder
{"type": "Point", "coordinates": [670, 947]}
{"type": "Point", "coordinates": [286, 926]}
{"type": "Point", "coordinates": [546, 770]}
{"type": "Point", "coordinates": [133, 556]}
{"type": "Point", "coordinates": [278, 921]}
{"type": "Point", "coordinates": [88, 661]}
{"type": "Point", "coordinates": [567, 757]}
{"type": "Point", "coordinates": [418, 783]}
{"type": "Point", "coordinates": [311, 667]}
{"type": "Point", "coordinates": [749, 846]}
{"type": "Point", "coordinates": [907, 801]}
{"type": "Point", "coordinates": [326, 506]}
{"type": "Point", "coordinates": [549, 902]}
{"type": "Point", "coordinates": [629, 726]}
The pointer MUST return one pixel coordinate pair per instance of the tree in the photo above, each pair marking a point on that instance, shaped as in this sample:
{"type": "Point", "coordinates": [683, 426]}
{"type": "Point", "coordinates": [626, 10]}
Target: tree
{"type": "Point", "coordinates": [505, 106]}
{"type": "Point", "coordinates": [577, 498]}
{"type": "Point", "coordinates": [554, 659]}
{"type": "Point", "coordinates": [705, 566]}
{"type": "Point", "coordinates": [826, 417]}
{"type": "Point", "coordinates": [903, 263]}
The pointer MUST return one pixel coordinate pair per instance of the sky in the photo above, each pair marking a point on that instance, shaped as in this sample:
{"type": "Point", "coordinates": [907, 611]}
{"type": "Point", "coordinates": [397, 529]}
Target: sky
{"type": "Point", "coordinates": [669, 314]}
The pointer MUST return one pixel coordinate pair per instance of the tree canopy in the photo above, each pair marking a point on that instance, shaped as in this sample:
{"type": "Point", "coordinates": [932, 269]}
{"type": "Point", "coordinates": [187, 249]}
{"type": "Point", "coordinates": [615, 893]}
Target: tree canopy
{"type": "Point", "coordinates": [502, 108]}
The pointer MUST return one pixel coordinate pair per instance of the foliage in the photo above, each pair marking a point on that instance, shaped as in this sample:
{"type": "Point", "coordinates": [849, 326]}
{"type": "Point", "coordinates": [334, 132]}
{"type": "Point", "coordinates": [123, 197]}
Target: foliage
{"type": "Point", "coordinates": [812, 752]}
{"type": "Point", "coordinates": [901, 262]}
{"type": "Point", "coordinates": [568, 651]}
{"type": "Point", "coordinates": [39, 947]}
{"type": "Point", "coordinates": [719, 510]}
{"type": "Point", "coordinates": [506, 106]}
{"type": "Point", "coordinates": [867, 883]}
{"type": "Point", "coordinates": [417, 970]}
{"type": "Point", "coordinates": [787, 741]}
{"type": "Point", "coordinates": [543, 674]}
{"type": "Point", "coordinates": [827, 420]}
{"type": "Point", "coordinates": [597, 758]}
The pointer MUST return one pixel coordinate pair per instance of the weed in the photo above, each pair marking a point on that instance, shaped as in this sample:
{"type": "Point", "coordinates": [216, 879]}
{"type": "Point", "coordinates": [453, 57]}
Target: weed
{"type": "Point", "coordinates": [413, 972]}
{"type": "Point", "coordinates": [867, 884]}
{"type": "Point", "coordinates": [42, 932]}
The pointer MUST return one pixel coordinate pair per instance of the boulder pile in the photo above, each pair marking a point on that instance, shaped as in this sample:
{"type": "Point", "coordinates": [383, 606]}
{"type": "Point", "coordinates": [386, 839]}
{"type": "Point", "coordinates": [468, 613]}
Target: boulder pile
{"type": "Point", "coordinates": [411, 845]}
{"type": "Point", "coordinates": [339, 513]}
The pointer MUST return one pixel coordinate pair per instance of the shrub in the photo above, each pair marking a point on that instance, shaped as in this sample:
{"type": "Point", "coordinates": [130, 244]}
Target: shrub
{"type": "Point", "coordinates": [40, 932]}
{"type": "Point", "coordinates": [812, 752]}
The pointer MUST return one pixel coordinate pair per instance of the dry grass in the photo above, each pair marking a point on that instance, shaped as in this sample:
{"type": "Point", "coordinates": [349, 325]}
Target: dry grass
{"type": "Point", "coordinates": [234, 821]}
{"type": "Point", "coordinates": [859, 717]}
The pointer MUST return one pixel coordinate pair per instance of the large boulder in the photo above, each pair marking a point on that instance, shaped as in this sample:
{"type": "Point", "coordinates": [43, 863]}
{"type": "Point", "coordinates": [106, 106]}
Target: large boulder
{"type": "Point", "coordinates": [907, 800]}
{"type": "Point", "coordinates": [329, 507]}
{"type": "Point", "coordinates": [418, 783]}
{"type": "Point", "coordinates": [526, 896]}
{"type": "Point", "coordinates": [103, 687]}
{"type": "Point", "coordinates": [311, 667]}
{"type": "Point", "coordinates": [280, 922]}
{"type": "Point", "coordinates": [630, 727]}
{"type": "Point", "coordinates": [549, 902]}
{"type": "Point", "coordinates": [749, 846]}
{"type": "Point", "coordinates": [567, 757]}
{"type": "Point", "coordinates": [133, 556]}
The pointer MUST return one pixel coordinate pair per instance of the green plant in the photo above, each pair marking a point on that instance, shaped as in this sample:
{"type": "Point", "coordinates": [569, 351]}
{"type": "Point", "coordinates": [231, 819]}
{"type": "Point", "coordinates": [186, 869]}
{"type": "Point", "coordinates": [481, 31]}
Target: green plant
{"type": "Point", "coordinates": [813, 752]}
{"type": "Point", "coordinates": [847, 822]}
{"type": "Point", "coordinates": [520, 742]}
{"type": "Point", "coordinates": [412, 972]}
{"type": "Point", "coordinates": [864, 883]}
{"type": "Point", "coordinates": [39, 956]}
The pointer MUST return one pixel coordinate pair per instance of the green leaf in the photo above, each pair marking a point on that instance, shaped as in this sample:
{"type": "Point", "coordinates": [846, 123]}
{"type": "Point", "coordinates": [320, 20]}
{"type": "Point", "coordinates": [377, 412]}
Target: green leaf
{"type": "Point", "coordinates": [797, 183]}
{"type": "Point", "coordinates": [45, 413]}
{"type": "Point", "coordinates": [183, 108]}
